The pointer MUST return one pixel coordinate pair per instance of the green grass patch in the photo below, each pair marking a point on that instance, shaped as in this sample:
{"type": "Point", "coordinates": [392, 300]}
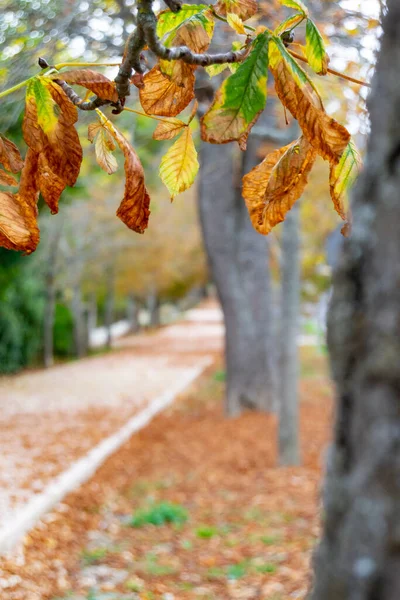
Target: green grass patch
{"type": "Point", "coordinates": [269, 540]}
{"type": "Point", "coordinates": [220, 376]}
{"type": "Point", "coordinates": [206, 532]}
{"type": "Point", "coordinates": [237, 571]}
{"type": "Point", "coordinates": [266, 568]}
{"type": "Point", "coordinates": [159, 514]}
{"type": "Point", "coordinates": [92, 557]}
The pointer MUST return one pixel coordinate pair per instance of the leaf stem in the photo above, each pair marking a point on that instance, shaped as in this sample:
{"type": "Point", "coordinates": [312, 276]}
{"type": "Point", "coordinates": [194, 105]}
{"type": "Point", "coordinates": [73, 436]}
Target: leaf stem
{"type": "Point", "coordinates": [85, 64]}
{"type": "Point", "coordinates": [332, 71]}
{"type": "Point", "coordinates": [15, 87]}
{"type": "Point", "coordinates": [142, 114]}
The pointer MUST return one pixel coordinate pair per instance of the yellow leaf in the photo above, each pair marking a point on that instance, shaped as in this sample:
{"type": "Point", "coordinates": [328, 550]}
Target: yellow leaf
{"type": "Point", "coordinates": [179, 166]}
{"type": "Point", "coordinates": [168, 129]}
{"type": "Point", "coordinates": [342, 177]}
{"type": "Point", "coordinates": [236, 23]}
{"type": "Point", "coordinates": [104, 146]}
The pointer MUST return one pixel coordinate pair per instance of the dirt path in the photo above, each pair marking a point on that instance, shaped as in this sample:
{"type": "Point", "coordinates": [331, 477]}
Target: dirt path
{"type": "Point", "coordinates": [49, 419]}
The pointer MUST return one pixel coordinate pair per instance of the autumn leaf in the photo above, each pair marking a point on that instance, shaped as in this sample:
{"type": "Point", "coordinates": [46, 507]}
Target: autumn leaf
{"type": "Point", "coordinates": [164, 97]}
{"type": "Point", "coordinates": [297, 5]}
{"type": "Point", "coordinates": [50, 185]}
{"type": "Point", "coordinates": [10, 156]}
{"type": "Point", "coordinates": [298, 94]}
{"type": "Point", "coordinates": [240, 100]}
{"type": "Point", "coordinates": [167, 21]}
{"type": "Point", "coordinates": [91, 80]}
{"type": "Point", "coordinates": [242, 8]}
{"type": "Point", "coordinates": [104, 146]}
{"type": "Point", "coordinates": [342, 177]}
{"type": "Point", "coordinates": [271, 188]}
{"type": "Point", "coordinates": [18, 212]}
{"type": "Point", "coordinates": [7, 179]}
{"type": "Point", "coordinates": [134, 208]}
{"type": "Point", "coordinates": [179, 166]}
{"type": "Point", "coordinates": [213, 70]}
{"type": "Point", "coordinates": [168, 129]}
{"type": "Point", "coordinates": [55, 137]}
{"type": "Point", "coordinates": [315, 49]}
{"type": "Point", "coordinates": [289, 23]}
{"type": "Point", "coordinates": [236, 23]}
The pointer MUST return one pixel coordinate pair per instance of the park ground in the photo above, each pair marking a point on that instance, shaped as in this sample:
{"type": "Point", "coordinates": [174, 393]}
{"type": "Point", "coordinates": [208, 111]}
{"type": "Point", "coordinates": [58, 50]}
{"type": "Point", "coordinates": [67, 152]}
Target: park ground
{"type": "Point", "coordinates": [192, 507]}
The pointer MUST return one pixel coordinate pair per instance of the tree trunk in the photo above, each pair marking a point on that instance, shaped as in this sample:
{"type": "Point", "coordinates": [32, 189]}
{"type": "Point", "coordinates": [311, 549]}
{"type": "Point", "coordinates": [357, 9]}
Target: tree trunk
{"type": "Point", "coordinates": [289, 451]}
{"type": "Point", "coordinates": [110, 303]}
{"type": "Point", "coordinates": [153, 307]}
{"type": "Point", "coordinates": [50, 299]}
{"type": "Point", "coordinates": [132, 313]}
{"type": "Point", "coordinates": [359, 556]}
{"type": "Point", "coordinates": [238, 258]}
{"type": "Point", "coordinates": [79, 325]}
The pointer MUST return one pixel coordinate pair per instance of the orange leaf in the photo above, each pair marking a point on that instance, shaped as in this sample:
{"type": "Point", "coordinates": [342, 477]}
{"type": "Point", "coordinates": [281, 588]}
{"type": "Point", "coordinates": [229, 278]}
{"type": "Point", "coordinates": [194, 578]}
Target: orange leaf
{"type": "Point", "coordinates": [91, 80]}
{"type": "Point", "coordinates": [162, 96]}
{"type": "Point", "coordinates": [242, 8]}
{"type": "Point", "coordinates": [134, 208]}
{"type": "Point", "coordinates": [7, 179]}
{"type": "Point", "coordinates": [51, 186]}
{"type": "Point", "coordinates": [271, 188]}
{"type": "Point", "coordinates": [10, 156]}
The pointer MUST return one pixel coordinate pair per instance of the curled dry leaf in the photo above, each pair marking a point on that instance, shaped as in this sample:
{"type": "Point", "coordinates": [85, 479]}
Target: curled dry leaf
{"type": "Point", "coordinates": [104, 146]}
{"type": "Point", "coordinates": [179, 166]}
{"type": "Point", "coordinates": [18, 212]}
{"type": "Point", "coordinates": [60, 142]}
{"type": "Point", "coordinates": [134, 208]}
{"type": "Point", "coordinates": [240, 100]}
{"type": "Point", "coordinates": [242, 8]}
{"type": "Point", "coordinates": [271, 188]}
{"type": "Point", "coordinates": [168, 129]}
{"type": "Point", "coordinates": [7, 179]}
{"type": "Point", "coordinates": [97, 83]}
{"type": "Point", "coordinates": [10, 156]}
{"type": "Point", "coordinates": [341, 178]}
{"type": "Point", "coordinates": [299, 96]}
{"type": "Point", "coordinates": [162, 96]}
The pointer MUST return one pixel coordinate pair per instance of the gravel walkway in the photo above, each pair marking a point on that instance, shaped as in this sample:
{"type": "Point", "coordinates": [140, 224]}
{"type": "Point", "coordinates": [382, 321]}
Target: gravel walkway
{"type": "Point", "coordinates": [51, 418]}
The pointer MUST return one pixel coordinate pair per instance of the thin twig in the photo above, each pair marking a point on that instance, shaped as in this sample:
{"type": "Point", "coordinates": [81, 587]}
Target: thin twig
{"type": "Point", "coordinates": [331, 71]}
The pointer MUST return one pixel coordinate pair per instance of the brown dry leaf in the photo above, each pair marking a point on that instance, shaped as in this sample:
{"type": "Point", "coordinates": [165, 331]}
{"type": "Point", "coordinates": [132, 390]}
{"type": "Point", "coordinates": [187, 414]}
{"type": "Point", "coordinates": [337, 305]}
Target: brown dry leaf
{"type": "Point", "coordinates": [134, 208]}
{"type": "Point", "coordinates": [242, 8]}
{"type": "Point", "coordinates": [61, 147]}
{"type": "Point", "coordinates": [51, 186]}
{"type": "Point", "coordinates": [168, 129]}
{"type": "Point", "coordinates": [298, 95]}
{"type": "Point", "coordinates": [271, 188]}
{"type": "Point", "coordinates": [164, 97]}
{"type": "Point", "coordinates": [97, 83]}
{"type": "Point", "coordinates": [18, 212]}
{"type": "Point", "coordinates": [104, 146]}
{"type": "Point", "coordinates": [7, 179]}
{"type": "Point", "coordinates": [10, 156]}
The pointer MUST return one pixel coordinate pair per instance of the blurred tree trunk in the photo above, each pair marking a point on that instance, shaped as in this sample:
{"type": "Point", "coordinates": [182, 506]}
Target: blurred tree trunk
{"type": "Point", "coordinates": [132, 313]}
{"type": "Point", "coordinates": [289, 452]}
{"type": "Point", "coordinates": [238, 258]}
{"type": "Point", "coordinates": [359, 558]}
{"type": "Point", "coordinates": [109, 304]}
{"type": "Point", "coordinates": [79, 325]}
{"type": "Point", "coordinates": [50, 298]}
{"type": "Point", "coordinates": [153, 307]}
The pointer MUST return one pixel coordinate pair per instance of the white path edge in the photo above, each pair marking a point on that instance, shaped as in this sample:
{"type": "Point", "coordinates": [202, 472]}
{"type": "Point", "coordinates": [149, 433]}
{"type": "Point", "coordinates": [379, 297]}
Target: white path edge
{"type": "Point", "coordinates": [83, 469]}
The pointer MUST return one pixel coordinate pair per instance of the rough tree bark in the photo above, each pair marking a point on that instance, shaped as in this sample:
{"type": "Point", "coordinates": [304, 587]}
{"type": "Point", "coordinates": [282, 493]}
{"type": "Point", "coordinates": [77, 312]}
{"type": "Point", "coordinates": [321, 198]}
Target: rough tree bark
{"type": "Point", "coordinates": [289, 451]}
{"type": "Point", "coordinates": [359, 556]}
{"type": "Point", "coordinates": [238, 259]}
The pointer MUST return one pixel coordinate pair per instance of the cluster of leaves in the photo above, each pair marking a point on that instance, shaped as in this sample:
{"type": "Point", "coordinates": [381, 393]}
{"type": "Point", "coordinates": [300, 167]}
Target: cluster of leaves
{"type": "Point", "coordinates": [54, 153]}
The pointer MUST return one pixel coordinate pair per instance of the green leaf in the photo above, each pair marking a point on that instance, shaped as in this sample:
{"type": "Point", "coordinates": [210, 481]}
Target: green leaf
{"type": "Point", "coordinates": [214, 70]}
{"type": "Point", "coordinates": [179, 166]}
{"type": "Point", "coordinates": [289, 23]}
{"type": "Point", "coordinates": [342, 176]}
{"type": "Point", "coordinates": [168, 21]}
{"type": "Point", "coordinates": [315, 49]}
{"type": "Point", "coordinates": [297, 5]}
{"type": "Point", "coordinates": [47, 110]}
{"type": "Point", "coordinates": [240, 99]}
